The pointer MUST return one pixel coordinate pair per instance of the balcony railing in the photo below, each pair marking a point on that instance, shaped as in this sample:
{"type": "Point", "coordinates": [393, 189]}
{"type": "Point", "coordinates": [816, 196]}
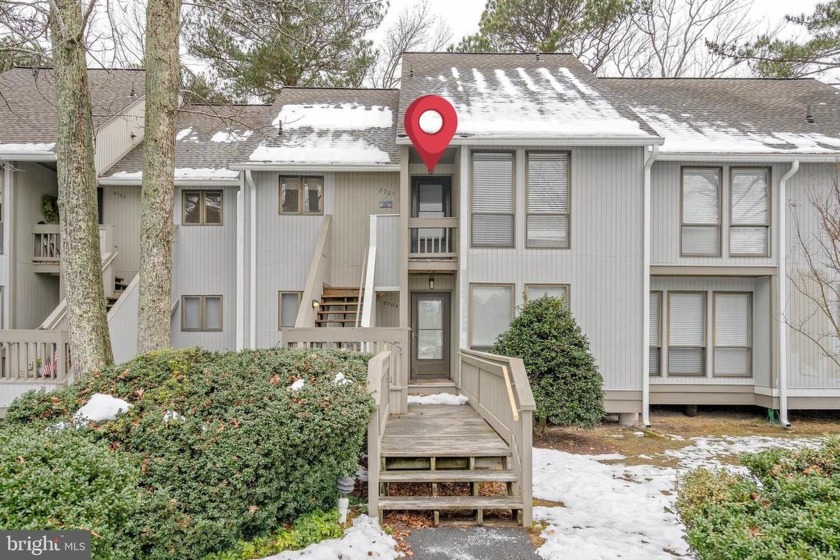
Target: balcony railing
{"type": "Point", "coordinates": [433, 237]}
{"type": "Point", "coordinates": [34, 356]}
{"type": "Point", "coordinates": [48, 243]}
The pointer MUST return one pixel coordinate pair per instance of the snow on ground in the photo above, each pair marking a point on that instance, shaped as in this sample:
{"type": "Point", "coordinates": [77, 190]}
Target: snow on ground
{"type": "Point", "coordinates": [618, 511]}
{"type": "Point", "coordinates": [100, 408]}
{"type": "Point", "coordinates": [439, 398]}
{"type": "Point", "coordinates": [364, 540]}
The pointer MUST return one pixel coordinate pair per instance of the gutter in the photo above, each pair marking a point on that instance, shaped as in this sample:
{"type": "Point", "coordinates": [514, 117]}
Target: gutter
{"type": "Point", "coordinates": [646, 250]}
{"type": "Point", "coordinates": [252, 190]}
{"type": "Point", "coordinates": [27, 156]}
{"type": "Point", "coordinates": [782, 294]}
{"type": "Point", "coordinates": [751, 158]}
{"type": "Point", "coordinates": [136, 181]}
{"type": "Point", "coordinates": [240, 265]}
{"type": "Point", "coordinates": [548, 141]}
{"type": "Point", "coordinates": [323, 168]}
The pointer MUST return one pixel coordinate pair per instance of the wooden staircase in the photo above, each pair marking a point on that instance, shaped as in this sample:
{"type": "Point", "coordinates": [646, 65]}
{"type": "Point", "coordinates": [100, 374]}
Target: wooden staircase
{"type": "Point", "coordinates": [119, 287]}
{"type": "Point", "coordinates": [447, 460]}
{"type": "Point", "coordinates": [339, 307]}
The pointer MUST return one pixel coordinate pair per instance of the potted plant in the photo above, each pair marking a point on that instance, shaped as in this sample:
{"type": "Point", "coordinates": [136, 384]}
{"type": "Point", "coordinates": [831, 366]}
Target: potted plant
{"type": "Point", "coordinates": [49, 208]}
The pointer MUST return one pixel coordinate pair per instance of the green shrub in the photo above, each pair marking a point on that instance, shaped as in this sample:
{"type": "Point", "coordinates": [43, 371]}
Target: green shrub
{"type": "Point", "coordinates": [564, 377]}
{"type": "Point", "coordinates": [243, 454]}
{"type": "Point", "coordinates": [64, 480]}
{"type": "Point", "coordinates": [789, 508]}
{"type": "Point", "coordinates": [308, 529]}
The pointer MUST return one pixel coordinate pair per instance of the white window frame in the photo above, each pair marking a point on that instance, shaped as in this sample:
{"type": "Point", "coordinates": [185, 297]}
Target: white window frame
{"type": "Point", "coordinates": [568, 214]}
{"type": "Point", "coordinates": [301, 206]}
{"type": "Point", "coordinates": [202, 310]}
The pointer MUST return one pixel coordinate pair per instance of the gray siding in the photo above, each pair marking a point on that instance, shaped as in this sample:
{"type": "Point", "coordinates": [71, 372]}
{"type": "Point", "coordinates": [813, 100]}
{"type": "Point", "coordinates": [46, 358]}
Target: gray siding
{"type": "Point", "coordinates": [603, 266]}
{"type": "Point", "coordinates": [205, 264]}
{"type": "Point", "coordinates": [285, 245]}
{"type": "Point", "coordinates": [35, 295]}
{"type": "Point", "coordinates": [665, 212]}
{"type": "Point", "coordinates": [121, 208]}
{"type": "Point", "coordinates": [5, 236]}
{"type": "Point", "coordinates": [808, 367]}
{"type": "Point", "coordinates": [116, 137]}
{"type": "Point", "coordinates": [357, 196]}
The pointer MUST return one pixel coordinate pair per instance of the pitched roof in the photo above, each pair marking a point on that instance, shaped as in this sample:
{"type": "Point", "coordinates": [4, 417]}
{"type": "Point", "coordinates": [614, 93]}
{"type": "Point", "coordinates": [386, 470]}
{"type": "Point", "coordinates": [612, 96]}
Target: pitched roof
{"type": "Point", "coordinates": [737, 115]}
{"type": "Point", "coordinates": [208, 140]}
{"type": "Point", "coordinates": [331, 126]}
{"type": "Point", "coordinates": [28, 105]}
{"type": "Point", "coordinates": [499, 96]}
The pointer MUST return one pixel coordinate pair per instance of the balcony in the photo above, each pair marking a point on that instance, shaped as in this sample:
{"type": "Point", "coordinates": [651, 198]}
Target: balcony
{"type": "Point", "coordinates": [433, 244]}
{"type": "Point", "coordinates": [47, 252]}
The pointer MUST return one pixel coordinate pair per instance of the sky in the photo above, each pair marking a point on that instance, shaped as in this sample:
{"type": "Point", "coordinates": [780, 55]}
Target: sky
{"type": "Point", "coordinates": [463, 15]}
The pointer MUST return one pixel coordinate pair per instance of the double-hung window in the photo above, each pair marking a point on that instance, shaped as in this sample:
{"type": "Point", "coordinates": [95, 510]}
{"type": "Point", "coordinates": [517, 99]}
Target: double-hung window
{"type": "Point", "coordinates": [301, 195]}
{"type": "Point", "coordinates": [548, 200]}
{"type": "Point", "coordinates": [492, 199]}
{"type": "Point", "coordinates": [491, 311]}
{"type": "Point", "coordinates": [201, 313]}
{"type": "Point", "coordinates": [536, 291]}
{"type": "Point", "coordinates": [655, 350]}
{"type": "Point", "coordinates": [202, 208]}
{"type": "Point", "coordinates": [687, 333]}
{"type": "Point", "coordinates": [700, 231]}
{"type": "Point", "coordinates": [733, 334]}
{"type": "Point", "coordinates": [749, 199]}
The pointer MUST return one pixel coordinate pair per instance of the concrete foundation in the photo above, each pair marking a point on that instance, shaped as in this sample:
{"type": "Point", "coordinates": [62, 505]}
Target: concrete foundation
{"type": "Point", "coordinates": [628, 418]}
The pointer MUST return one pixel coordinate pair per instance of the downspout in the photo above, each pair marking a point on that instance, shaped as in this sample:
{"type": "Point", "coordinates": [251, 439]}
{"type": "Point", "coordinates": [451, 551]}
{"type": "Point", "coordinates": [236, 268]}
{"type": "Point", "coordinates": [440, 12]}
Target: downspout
{"type": "Point", "coordinates": [782, 294]}
{"type": "Point", "coordinates": [646, 289]}
{"type": "Point", "coordinates": [240, 264]}
{"type": "Point", "coordinates": [252, 191]}
{"type": "Point", "coordinates": [9, 306]}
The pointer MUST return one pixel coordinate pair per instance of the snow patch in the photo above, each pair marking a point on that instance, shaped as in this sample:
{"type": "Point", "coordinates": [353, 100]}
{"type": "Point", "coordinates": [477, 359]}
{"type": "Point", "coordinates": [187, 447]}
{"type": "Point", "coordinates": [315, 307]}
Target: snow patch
{"type": "Point", "coordinates": [229, 136]}
{"type": "Point", "coordinates": [183, 133]}
{"type": "Point", "coordinates": [364, 540]}
{"type": "Point", "coordinates": [297, 385]}
{"type": "Point", "coordinates": [341, 379]}
{"type": "Point", "coordinates": [185, 173]}
{"type": "Point", "coordinates": [323, 150]}
{"type": "Point", "coordinates": [324, 116]}
{"type": "Point", "coordinates": [170, 416]}
{"type": "Point", "coordinates": [100, 408]}
{"type": "Point", "coordinates": [26, 148]}
{"type": "Point", "coordinates": [704, 451]}
{"type": "Point", "coordinates": [439, 398]}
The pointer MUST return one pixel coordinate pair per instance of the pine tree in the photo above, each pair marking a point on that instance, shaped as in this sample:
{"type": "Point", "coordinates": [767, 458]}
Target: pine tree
{"type": "Point", "coordinates": [567, 386]}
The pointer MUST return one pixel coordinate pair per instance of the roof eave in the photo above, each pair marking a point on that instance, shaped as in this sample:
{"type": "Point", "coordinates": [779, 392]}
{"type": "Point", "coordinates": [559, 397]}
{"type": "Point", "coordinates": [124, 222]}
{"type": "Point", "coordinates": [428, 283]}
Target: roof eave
{"type": "Point", "coordinates": [27, 156]}
{"type": "Point", "coordinates": [197, 182]}
{"type": "Point", "coordinates": [549, 141]}
{"type": "Point", "coordinates": [749, 157]}
{"type": "Point", "coordinates": [325, 167]}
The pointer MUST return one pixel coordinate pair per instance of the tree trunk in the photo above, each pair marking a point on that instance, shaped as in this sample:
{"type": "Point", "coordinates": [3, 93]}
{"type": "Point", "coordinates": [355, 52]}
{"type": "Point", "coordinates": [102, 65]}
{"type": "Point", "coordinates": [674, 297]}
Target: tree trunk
{"type": "Point", "coordinates": [81, 259]}
{"type": "Point", "coordinates": [163, 80]}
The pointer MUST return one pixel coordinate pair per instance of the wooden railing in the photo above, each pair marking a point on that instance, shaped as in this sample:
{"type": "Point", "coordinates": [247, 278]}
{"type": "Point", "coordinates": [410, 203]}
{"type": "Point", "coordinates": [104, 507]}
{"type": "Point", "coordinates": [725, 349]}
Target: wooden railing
{"type": "Point", "coordinates": [34, 356]}
{"type": "Point", "coordinates": [433, 237]}
{"type": "Point", "coordinates": [48, 242]}
{"type": "Point", "coordinates": [379, 376]}
{"type": "Point", "coordinates": [498, 389]}
{"type": "Point", "coordinates": [373, 340]}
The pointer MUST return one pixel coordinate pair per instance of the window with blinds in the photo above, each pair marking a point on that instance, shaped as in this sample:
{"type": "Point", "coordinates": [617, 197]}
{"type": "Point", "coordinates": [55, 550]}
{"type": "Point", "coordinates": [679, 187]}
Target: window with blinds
{"type": "Point", "coordinates": [733, 335]}
{"type": "Point", "coordinates": [548, 200]}
{"type": "Point", "coordinates": [536, 291]}
{"type": "Point", "coordinates": [686, 333]}
{"type": "Point", "coordinates": [491, 311]}
{"type": "Point", "coordinates": [749, 230]}
{"type": "Point", "coordinates": [700, 212]}
{"type": "Point", "coordinates": [492, 199]}
{"type": "Point", "coordinates": [655, 350]}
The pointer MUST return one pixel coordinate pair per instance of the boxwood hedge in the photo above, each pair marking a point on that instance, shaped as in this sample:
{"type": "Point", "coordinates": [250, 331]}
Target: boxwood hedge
{"type": "Point", "coordinates": [225, 449]}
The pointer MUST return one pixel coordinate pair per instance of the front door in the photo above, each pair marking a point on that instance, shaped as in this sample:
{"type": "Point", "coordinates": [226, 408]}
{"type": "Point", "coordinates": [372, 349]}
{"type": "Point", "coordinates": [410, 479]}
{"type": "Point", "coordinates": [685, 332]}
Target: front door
{"type": "Point", "coordinates": [430, 335]}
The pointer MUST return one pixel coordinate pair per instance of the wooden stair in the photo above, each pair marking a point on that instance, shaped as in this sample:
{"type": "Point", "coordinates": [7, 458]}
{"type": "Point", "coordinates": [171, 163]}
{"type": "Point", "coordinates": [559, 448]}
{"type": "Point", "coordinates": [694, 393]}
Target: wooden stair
{"type": "Point", "coordinates": [447, 460]}
{"type": "Point", "coordinates": [339, 307]}
{"type": "Point", "coordinates": [119, 287]}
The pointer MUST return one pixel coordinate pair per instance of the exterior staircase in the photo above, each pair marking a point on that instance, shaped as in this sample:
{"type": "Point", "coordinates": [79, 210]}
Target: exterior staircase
{"type": "Point", "coordinates": [119, 288]}
{"type": "Point", "coordinates": [339, 307]}
{"type": "Point", "coordinates": [448, 461]}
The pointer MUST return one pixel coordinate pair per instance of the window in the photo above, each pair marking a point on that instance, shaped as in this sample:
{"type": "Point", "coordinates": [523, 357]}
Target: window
{"type": "Point", "coordinates": [202, 208]}
{"type": "Point", "coordinates": [201, 313]}
{"type": "Point", "coordinates": [491, 311]}
{"type": "Point", "coordinates": [749, 198]}
{"type": "Point", "coordinates": [492, 199]}
{"type": "Point", "coordinates": [686, 333]}
{"type": "Point", "coordinates": [655, 350]}
{"type": "Point", "coordinates": [536, 291]}
{"type": "Point", "coordinates": [701, 212]}
{"type": "Point", "coordinates": [301, 195]}
{"type": "Point", "coordinates": [289, 305]}
{"type": "Point", "coordinates": [733, 335]}
{"type": "Point", "coordinates": [548, 200]}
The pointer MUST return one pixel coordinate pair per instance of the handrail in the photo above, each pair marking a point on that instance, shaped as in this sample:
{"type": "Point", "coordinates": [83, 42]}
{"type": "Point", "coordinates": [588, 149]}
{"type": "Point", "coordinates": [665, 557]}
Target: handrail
{"type": "Point", "coordinates": [58, 314]}
{"type": "Point", "coordinates": [378, 379]}
{"type": "Point", "coordinates": [318, 274]}
{"type": "Point", "coordinates": [450, 222]}
{"type": "Point", "coordinates": [511, 398]}
{"type": "Point", "coordinates": [135, 282]}
{"type": "Point", "coordinates": [369, 292]}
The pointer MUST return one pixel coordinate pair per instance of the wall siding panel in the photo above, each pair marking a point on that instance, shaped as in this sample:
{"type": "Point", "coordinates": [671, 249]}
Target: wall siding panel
{"type": "Point", "coordinates": [121, 208]}
{"type": "Point", "coordinates": [118, 136]}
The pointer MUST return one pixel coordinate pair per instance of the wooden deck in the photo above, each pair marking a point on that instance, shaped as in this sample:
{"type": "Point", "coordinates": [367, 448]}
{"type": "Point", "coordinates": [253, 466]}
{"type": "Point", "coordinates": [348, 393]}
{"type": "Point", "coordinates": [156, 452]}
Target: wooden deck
{"type": "Point", "coordinates": [441, 431]}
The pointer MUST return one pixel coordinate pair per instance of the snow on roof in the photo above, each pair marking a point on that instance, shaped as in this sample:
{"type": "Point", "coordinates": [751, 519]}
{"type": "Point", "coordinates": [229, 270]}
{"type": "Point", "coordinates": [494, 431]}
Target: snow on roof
{"type": "Point", "coordinates": [326, 150]}
{"type": "Point", "coordinates": [26, 148]}
{"type": "Point", "coordinates": [498, 96]}
{"type": "Point", "coordinates": [344, 116]}
{"type": "Point", "coordinates": [184, 173]}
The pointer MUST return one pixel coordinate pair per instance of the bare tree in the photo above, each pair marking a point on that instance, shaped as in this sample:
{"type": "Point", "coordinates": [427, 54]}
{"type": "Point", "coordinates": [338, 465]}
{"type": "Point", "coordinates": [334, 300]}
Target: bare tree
{"type": "Point", "coordinates": [670, 38]}
{"type": "Point", "coordinates": [815, 270]}
{"type": "Point", "coordinates": [163, 83]}
{"type": "Point", "coordinates": [416, 28]}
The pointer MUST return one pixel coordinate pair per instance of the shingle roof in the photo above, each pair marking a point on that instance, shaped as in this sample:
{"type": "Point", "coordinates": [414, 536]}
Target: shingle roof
{"type": "Point", "coordinates": [28, 109]}
{"type": "Point", "coordinates": [209, 139]}
{"type": "Point", "coordinates": [331, 126]}
{"type": "Point", "coordinates": [739, 116]}
{"type": "Point", "coordinates": [519, 96]}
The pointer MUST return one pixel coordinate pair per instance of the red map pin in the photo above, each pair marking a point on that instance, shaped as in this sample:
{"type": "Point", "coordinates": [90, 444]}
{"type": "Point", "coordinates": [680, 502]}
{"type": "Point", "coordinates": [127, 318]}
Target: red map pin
{"type": "Point", "coordinates": [430, 146]}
